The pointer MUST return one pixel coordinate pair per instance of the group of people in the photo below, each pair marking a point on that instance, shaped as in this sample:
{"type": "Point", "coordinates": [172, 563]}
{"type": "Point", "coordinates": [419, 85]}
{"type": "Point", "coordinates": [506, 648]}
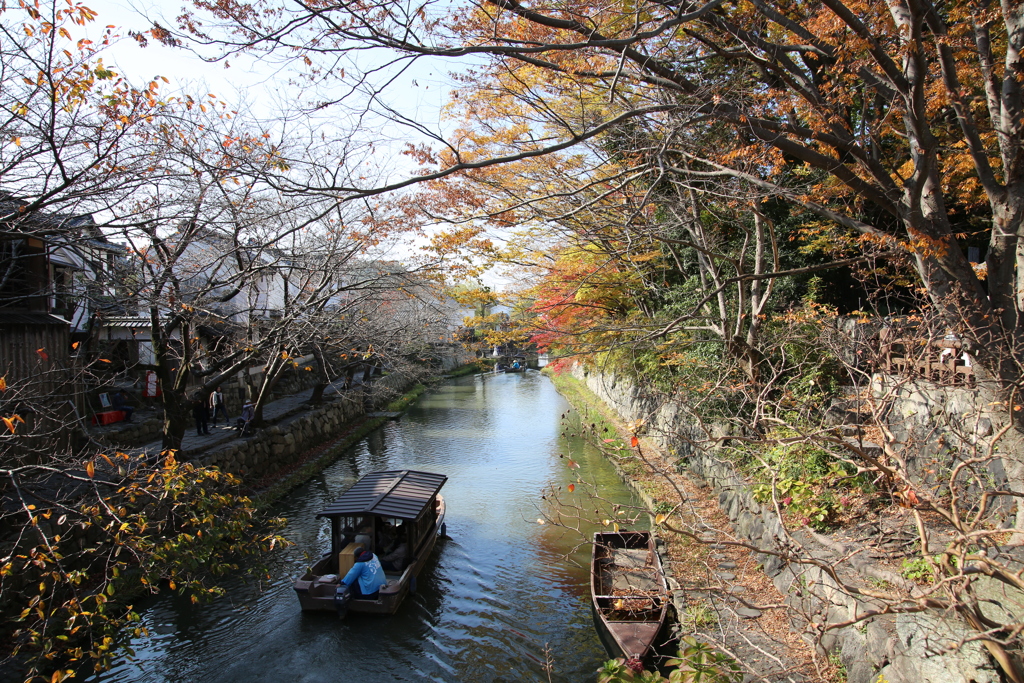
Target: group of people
{"type": "Point", "coordinates": [203, 410]}
{"type": "Point", "coordinates": [367, 577]}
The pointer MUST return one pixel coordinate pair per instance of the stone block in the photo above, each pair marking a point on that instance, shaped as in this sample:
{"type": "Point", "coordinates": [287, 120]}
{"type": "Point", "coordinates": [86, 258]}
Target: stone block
{"type": "Point", "coordinates": [773, 564]}
{"type": "Point", "coordinates": [920, 656]}
{"type": "Point", "coordinates": [853, 652]}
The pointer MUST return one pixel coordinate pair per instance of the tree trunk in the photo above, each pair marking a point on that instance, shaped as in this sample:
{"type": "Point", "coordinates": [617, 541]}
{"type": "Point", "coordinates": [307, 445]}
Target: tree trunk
{"type": "Point", "coordinates": [175, 421]}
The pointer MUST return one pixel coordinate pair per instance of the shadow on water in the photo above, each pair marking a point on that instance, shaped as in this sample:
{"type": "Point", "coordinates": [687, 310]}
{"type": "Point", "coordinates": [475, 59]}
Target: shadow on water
{"type": "Point", "coordinates": [497, 591]}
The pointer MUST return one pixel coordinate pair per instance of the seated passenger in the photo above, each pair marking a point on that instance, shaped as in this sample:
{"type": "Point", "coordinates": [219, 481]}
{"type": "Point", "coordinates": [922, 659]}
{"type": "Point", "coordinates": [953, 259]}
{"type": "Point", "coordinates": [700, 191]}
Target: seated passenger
{"type": "Point", "coordinates": [365, 540]}
{"type": "Point", "coordinates": [366, 577]}
{"type": "Point", "coordinates": [396, 560]}
{"type": "Point", "coordinates": [120, 402]}
{"type": "Point", "coordinates": [386, 537]}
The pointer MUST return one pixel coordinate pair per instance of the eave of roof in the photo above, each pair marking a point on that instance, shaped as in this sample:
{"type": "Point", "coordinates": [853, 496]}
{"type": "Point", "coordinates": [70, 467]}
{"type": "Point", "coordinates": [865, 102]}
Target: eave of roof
{"type": "Point", "coordinates": [10, 318]}
{"type": "Point", "coordinates": [400, 494]}
{"type": "Point", "coordinates": [126, 321]}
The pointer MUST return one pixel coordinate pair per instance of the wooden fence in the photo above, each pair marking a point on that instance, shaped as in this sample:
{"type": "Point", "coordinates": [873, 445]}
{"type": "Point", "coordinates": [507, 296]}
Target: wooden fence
{"type": "Point", "coordinates": [942, 361]}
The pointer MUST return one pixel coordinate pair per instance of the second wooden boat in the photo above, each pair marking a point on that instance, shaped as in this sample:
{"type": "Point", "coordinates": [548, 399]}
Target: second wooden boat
{"type": "Point", "coordinates": [630, 594]}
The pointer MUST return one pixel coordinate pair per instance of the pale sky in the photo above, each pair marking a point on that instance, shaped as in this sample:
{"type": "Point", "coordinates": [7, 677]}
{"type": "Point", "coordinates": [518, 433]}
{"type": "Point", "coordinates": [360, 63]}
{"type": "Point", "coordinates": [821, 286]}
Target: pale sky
{"type": "Point", "coordinates": [267, 89]}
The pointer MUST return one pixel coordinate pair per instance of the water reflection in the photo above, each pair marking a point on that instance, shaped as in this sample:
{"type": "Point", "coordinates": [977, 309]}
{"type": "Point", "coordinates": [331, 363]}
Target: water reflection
{"type": "Point", "coordinates": [499, 589]}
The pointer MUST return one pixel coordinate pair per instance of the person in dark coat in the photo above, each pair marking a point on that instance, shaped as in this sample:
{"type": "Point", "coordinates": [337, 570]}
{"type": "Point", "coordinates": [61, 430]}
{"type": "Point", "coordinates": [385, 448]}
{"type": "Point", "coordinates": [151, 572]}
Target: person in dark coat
{"type": "Point", "coordinates": [202, 415]}
{"type": "Point", "coordinates": [120, 402]}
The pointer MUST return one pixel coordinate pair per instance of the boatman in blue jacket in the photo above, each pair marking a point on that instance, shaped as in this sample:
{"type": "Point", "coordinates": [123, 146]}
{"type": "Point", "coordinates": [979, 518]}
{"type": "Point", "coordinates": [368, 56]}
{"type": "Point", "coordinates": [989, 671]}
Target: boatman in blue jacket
{"type": "Point", "coordinates": [366, 577]}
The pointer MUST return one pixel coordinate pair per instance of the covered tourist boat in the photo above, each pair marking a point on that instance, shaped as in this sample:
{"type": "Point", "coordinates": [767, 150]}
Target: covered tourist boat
{"type": "Point", "coordinates": [630, 595]}
{"type": "Point", "coordinates": [382, 512]}
{"type": "Point", "coordinates": [511, 364]}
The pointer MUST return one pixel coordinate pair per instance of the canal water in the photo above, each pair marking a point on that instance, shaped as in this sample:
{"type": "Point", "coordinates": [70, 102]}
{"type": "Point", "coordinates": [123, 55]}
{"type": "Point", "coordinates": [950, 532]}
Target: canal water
{"type": "Point", "coordinates": [502, 595]}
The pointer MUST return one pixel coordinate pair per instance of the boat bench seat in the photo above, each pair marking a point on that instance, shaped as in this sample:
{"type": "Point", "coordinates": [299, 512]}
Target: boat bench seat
{"type": "Point", "coordinates": [392, 586]}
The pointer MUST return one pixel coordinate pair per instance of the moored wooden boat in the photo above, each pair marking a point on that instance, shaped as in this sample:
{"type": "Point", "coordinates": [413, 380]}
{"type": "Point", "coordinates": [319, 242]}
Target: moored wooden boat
{"type": "Point", "coordinates": [629, 593]}
{"type": "Point", "coordinates": [401, 506]}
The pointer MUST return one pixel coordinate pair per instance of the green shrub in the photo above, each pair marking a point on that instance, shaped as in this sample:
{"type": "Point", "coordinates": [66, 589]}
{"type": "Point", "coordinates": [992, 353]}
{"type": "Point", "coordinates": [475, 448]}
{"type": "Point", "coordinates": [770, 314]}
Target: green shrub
{"type": "Point", "coordinates": [817, 511]}
{"type": "Point", "coordinates": [917, 569]}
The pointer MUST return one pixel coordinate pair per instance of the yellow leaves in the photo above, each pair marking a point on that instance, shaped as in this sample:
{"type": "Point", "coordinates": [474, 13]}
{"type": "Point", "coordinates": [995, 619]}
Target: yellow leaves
{"type": "Point", "coordinates": [3, 383]}
{"type": "Point", "coordinates": [12, 421]}
{"type": "Point", "coordinates": [660, 518]}
{"type": "Point", "coordinates": [90, 469]}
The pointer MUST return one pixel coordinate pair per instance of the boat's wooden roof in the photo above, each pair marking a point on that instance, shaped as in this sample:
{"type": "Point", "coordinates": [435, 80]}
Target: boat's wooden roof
{"type": "Point", "coordinates": [402, 494]}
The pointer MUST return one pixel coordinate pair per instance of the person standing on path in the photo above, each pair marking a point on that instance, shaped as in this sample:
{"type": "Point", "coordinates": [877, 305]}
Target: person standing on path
{"type": "Point", "coordinates": [202, 415]}
{"type": "Point", "coordinates": [217, 405]}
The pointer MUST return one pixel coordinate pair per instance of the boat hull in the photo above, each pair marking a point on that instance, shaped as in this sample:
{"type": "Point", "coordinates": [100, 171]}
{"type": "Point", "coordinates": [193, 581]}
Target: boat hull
{"type": "Point", "coordinates": [629, 594]}
{"type": "Point", "coordinates": [316, 589]}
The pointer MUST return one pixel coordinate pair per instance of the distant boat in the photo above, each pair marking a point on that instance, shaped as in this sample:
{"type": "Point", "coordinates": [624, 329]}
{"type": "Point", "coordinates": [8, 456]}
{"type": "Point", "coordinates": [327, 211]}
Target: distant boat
{"type": "Point", "coordinates": [406, 501]}
{"type": "Point", "coordinates": [514, 364]}
{"type": "Point", "coordinates": [629, 592]}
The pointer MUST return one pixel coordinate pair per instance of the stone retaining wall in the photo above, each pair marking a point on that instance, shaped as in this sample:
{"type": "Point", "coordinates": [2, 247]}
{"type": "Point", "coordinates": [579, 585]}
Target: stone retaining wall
{"type": "Point", "coordinates": [277, 446]}
{"type": "Point", "coordinates": [132, 434]}
{"type": "Point", "coordinates": [907, 648]}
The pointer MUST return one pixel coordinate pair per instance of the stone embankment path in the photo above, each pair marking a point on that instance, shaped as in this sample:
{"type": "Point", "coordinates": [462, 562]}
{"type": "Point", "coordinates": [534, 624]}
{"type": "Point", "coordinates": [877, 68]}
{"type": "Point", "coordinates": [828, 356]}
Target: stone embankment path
{"type": "Point", "coordinates": [193, 444]}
